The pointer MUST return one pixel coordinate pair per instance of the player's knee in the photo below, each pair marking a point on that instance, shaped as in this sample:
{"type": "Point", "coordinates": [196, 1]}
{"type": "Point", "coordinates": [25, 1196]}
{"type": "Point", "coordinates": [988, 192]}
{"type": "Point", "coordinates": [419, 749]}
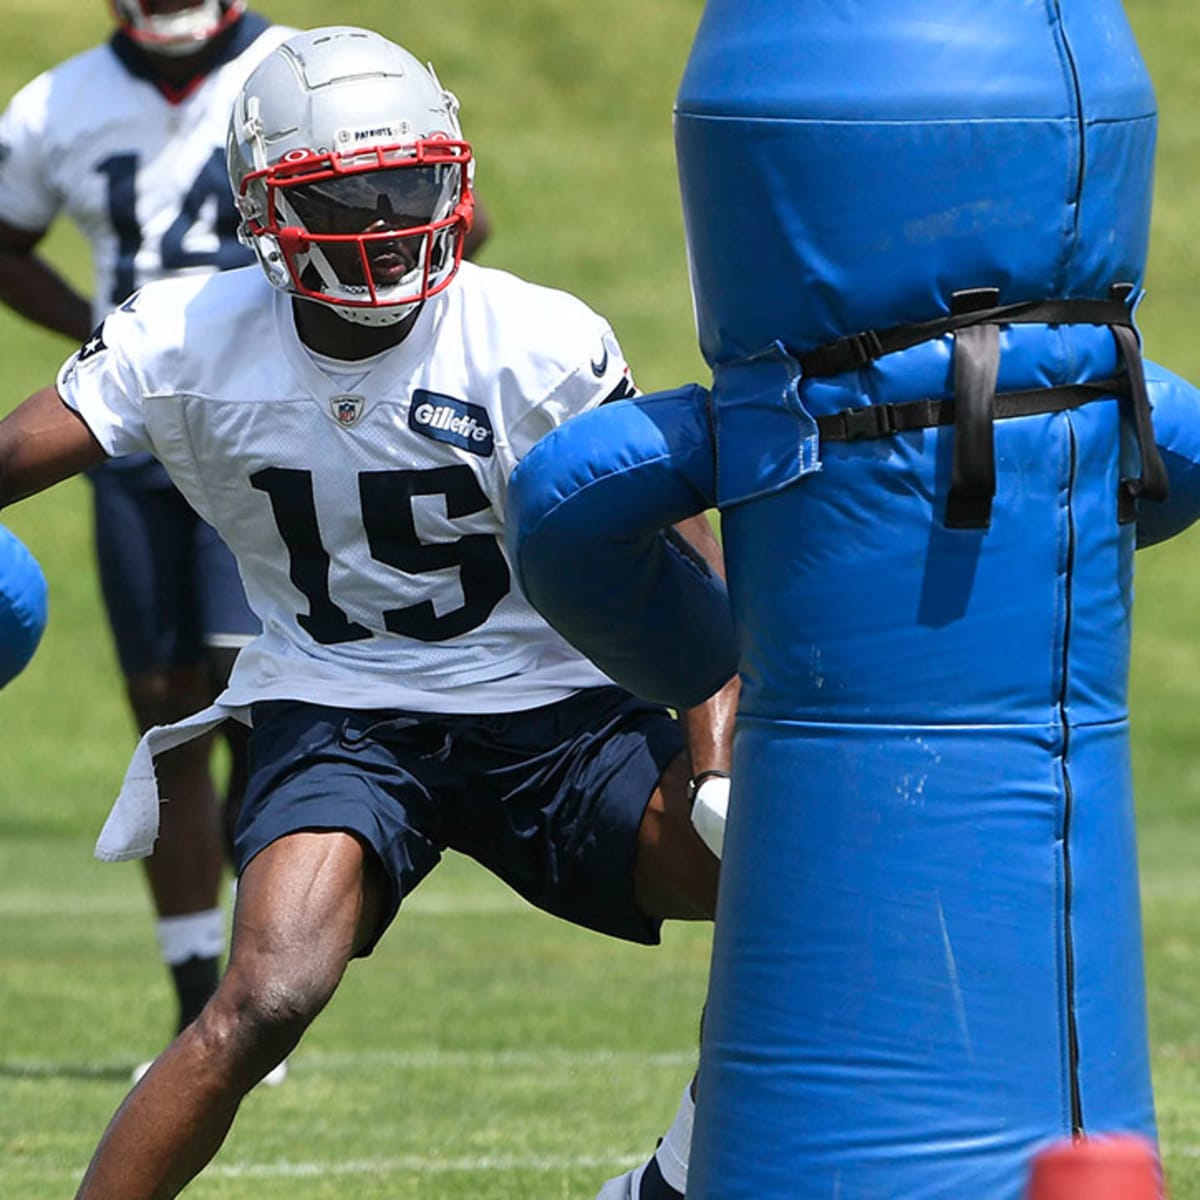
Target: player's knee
{"type": "Point", "coordinates": [255, 1023]}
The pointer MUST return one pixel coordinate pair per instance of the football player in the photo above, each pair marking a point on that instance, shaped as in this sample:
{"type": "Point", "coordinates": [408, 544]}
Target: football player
{"type": "Point", "coordinates": [346, 415]}
{"type": "Point", "coordinates": [127, 140]}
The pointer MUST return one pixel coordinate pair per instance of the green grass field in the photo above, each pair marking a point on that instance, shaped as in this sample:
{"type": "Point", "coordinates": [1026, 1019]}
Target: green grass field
{"type": "Point", "coordinates": [487, 1051]}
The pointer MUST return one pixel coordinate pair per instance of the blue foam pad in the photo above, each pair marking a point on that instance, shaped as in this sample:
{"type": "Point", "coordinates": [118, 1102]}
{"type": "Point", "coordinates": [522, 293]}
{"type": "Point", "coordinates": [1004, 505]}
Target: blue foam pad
{"type": "Point", "coordinates": [22, 605]}
{"type": "Point", "coordinates": [587, 511]}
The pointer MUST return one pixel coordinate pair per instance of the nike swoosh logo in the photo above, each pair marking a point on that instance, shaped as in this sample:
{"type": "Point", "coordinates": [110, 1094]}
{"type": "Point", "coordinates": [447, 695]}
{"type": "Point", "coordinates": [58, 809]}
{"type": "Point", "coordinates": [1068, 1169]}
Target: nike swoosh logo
{"type": "Point", "coordinates": [599, 367]}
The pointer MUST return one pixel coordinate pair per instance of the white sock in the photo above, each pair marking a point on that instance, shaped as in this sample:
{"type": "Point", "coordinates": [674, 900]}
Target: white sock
{"type": "Point", "coordinates": [192, 935]}
{"type": "Point", "coordinates": [676, 1147]}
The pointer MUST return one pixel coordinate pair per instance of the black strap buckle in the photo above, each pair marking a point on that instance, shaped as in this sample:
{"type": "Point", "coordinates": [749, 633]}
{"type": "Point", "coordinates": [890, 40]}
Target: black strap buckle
{"type": "Point", "coordinates": [846, 354]}
{"type": "Point", "coordinates": [872, 421]}
{"type": "Point", "coordinates": [863, 348]}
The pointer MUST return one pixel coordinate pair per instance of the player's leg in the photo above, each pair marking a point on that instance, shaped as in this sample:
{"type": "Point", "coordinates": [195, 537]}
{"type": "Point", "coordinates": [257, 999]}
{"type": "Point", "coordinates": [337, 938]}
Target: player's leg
{"type": "Point", "coordinates": [675, 876]}
{"type": "Point", "coordinates": [326, 849]}
{"type": "Point", "coordinates": [143, 543]}
{"type": "Point", "coordinates": [609, 845]}
{"type": "Point", "coordinates": [225, 624]}
{"type": "Point", "coordinates": [663, 1176]}
{"type": "Point", "coordinates": [185, 871]}
{"type": "Point", "coordinates": [306, 904]}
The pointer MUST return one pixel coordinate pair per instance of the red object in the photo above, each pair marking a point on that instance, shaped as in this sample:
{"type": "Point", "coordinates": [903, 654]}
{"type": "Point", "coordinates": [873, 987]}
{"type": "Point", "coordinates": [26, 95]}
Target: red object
{"type": "Point", "coordinates": [1117, 1167]}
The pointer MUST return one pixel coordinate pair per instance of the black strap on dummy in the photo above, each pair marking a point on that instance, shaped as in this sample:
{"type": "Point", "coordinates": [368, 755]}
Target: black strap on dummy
{"type": "Point", "coordinates": [861, 349]}
{"type": "Point", "coordinates": [1153, 481]}
{"type": "Point", "coordinates": [881, 420]}
{"type": "Point", "coordinates": [976, 366]}
{"type": "Point", "coordinates": [974, 321]}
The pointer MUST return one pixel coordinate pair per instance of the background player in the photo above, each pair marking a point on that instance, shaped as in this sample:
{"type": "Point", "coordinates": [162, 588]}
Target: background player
{"type": "Point", "coordinates": [127, 140]}
{"type": "Point", "coordinates": [351, 436]}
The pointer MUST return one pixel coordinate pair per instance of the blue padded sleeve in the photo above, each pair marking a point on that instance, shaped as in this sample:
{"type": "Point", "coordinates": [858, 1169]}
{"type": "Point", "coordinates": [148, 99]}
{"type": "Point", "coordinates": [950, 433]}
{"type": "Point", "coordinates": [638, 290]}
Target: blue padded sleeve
{"type": "Point", "coordinates": [22, 605]}
{"type": "Point", "coordinates": [1176, 405]}
{"type": "Point", "coordinates": [589, 511]}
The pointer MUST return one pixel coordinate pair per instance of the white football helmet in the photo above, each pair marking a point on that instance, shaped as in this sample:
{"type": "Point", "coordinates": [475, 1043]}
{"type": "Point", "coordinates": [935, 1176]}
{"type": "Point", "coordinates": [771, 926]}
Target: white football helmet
{"type": "Point", "coordinates": [175, 27]}
{"type": "Point", "coordinates": [350, 174]}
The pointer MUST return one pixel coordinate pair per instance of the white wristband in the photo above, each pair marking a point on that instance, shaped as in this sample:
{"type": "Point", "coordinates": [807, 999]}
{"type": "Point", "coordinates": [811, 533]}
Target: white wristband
{"type": "Point", "coordinates": [709, 808]}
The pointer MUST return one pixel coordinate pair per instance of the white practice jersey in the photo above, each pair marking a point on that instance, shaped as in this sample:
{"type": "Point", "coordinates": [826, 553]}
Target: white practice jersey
{"type": "Point", "coordinates": [364, 504]}
{"type": "Point", "coordinates": [143, 177]}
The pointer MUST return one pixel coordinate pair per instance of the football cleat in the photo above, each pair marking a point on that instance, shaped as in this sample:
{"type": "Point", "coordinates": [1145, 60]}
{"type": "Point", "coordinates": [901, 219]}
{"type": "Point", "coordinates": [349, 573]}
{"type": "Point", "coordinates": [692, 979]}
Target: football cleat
{"type": "Point", "coordinates": [623, 1187]}
{"type": "Point", "coordinates": [642, 1183]}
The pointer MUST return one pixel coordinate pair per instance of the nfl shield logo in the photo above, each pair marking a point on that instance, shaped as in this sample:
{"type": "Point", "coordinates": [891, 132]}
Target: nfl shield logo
{"type": "Point", "coordinates": [346, 409]}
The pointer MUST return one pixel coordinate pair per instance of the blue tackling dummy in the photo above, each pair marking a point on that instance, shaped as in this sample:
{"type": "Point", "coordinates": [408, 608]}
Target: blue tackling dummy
{"type": "Point", "coordinates": [22, 605]}
{"type": "Point", "coordinates": [917, 246]}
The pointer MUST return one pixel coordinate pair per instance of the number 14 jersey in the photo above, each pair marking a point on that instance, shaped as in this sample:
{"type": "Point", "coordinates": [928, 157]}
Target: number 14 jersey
{"type": "Point", "coordinates": [364, 502]}
{"type": "Point", "coordinates": [141, 175]}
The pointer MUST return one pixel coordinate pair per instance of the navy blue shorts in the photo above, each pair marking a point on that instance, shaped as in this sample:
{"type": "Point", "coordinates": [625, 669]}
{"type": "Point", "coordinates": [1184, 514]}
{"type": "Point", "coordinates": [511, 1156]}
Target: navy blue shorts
{"type": "Point", "coordinates": [549, 799]}
{"type": "Point", "coordinates": [170, 585]}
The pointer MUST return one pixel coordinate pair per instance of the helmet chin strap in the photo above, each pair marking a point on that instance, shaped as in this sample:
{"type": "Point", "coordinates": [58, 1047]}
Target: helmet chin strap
{"type": "Point", "coordinates": [377, 318]}
{"type": "Point", "coordinates": [374, 316]}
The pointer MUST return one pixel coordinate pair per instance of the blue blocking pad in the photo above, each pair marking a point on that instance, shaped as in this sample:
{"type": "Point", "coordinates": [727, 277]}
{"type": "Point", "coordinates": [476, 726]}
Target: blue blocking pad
{"type": "Point", "coordinates": [927, 960]}
{"type": "Point", "coordinates": [1177, 432]}
{"type": "Point", "coordinates": [23, 609]}
{"type": "Point", "coordinates": [587, 512]}
{"type": "Point", "coordinates": [890, 1021]}
{"type": "Point", "coordinates": [848, 166]}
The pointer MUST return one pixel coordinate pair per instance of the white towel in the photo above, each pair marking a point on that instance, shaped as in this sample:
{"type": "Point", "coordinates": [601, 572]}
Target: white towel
{"type": "Point", "coordinates": [132, 825]}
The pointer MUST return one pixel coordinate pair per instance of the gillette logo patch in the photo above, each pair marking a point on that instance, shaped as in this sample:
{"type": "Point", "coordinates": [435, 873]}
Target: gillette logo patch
{"type": "Point", "coordinates": [456, 422]}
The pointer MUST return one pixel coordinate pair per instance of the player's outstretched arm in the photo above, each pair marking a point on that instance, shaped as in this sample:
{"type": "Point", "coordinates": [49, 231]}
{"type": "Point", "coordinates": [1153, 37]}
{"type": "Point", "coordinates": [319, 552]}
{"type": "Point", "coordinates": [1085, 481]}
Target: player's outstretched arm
{"type": "Point", "coordinates": [709, 726]}
{"type": "Point", "coordinates": [43, 442]}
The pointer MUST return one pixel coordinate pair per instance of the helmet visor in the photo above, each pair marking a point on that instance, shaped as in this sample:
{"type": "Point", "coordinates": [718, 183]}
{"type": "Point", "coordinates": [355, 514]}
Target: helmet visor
{"type": "Point", "coordinates": [393, 198]}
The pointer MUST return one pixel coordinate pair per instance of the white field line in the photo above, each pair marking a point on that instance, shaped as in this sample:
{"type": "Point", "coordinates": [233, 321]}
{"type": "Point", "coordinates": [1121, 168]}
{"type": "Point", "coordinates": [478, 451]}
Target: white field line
{"type": "Point", "coordinates": [416, 1165]}
{"type": "Point", "coordinates": [427, 901]}
{"type": "Point", "coordinates": [617, 1160]}
{"type": "Point", "coordinates": [319, 1062]}
{"type": "Point", "coordinates": [74, 905]}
